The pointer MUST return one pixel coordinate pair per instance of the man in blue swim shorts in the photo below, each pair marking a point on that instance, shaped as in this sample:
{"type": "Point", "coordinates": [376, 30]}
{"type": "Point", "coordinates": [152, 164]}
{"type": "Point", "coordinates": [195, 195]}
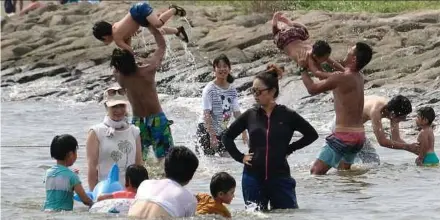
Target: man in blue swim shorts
{"type": "Point", "coordinates": [139, 82]}
{"type": "Point", "coordinates": [140, 14]}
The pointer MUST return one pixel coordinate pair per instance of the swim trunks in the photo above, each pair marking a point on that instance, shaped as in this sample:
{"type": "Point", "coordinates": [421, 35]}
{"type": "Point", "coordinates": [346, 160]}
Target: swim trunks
{"type": "Point", "coordinates": [368, 154]}
{"type": "Point", "coordinates": [342, 146]}
{"type": "Point", "coordinates": [204, 142]}
{"type": "Point", "coordinates": [156, 131]}
{"type": "Point", "coordinates": [284, 37]}
{"type": "Point", "coordinates": [430, 159]}
{"type": "Point", "coordinates": [140, 11]}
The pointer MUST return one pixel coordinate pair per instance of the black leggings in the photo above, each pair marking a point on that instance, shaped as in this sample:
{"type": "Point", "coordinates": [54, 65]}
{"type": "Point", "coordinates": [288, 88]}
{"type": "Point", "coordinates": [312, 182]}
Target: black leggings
{"type": "Point", "coordinates": [204, 142]}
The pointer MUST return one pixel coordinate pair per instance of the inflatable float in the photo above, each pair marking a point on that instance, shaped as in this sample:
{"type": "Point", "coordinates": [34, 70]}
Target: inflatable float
{"type": "Point", "coordinates": [110, 185]}
{"type": "Point", "coordinates": [119, 206]}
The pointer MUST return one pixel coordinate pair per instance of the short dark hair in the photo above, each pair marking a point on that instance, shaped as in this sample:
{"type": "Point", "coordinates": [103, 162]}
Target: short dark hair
{"type": "Point", "coordinates": [426, 113]}
{"type": "Point", "coordinates": [221, 182]}
{"type": "Point", "coordinates": [399, 106]}
{"type": "Point", "coordinates": [363, 54]}
{"type": "Point", "coordinates": [62, 145]}
{"type": "Point", "coordinates": [102, 29]}
{"type": "Point", "coordinates": [180, 164]}
{"type": "Point", "coordinates": [135, 174]}
{"type": "Point", "coordinates": [123, 61]}
{"type": "Point", "coordinates": [321, 48]}
{"type": "Point", "coordinates": [224, 58]}
{"type": "Point", "coordinates": [270, 78]}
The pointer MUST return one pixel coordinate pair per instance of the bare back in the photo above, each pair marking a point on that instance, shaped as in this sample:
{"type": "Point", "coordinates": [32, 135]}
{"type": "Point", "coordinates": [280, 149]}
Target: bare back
{"type": "Point", "coordinates": [141, 91]}
{"type": "Point", "coordinates": [125, 28]}
{"type": "Point", "coordinates": [297, 49]}
{"type": "Point", "coordinates": [349, 101]}
{"type": "Point", "coordinates": [373, 106]}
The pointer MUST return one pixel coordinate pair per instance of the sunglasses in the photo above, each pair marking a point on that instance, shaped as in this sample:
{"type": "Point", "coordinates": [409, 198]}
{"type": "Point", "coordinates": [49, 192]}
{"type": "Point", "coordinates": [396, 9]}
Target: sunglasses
{"type": "Point", "coordinates": [113, 92]}
{"type": "Point", "coordinates": [258, 92]}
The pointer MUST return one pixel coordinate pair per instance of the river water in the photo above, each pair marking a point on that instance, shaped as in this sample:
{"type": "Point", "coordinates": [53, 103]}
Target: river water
{"type": "Point", "coordinates": [396, 189]}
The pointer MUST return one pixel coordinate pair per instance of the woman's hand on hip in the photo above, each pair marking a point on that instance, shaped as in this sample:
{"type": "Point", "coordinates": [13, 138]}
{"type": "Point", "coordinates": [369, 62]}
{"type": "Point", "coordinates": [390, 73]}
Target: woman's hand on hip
{"type": "Point", "coordinates": [247, 159]}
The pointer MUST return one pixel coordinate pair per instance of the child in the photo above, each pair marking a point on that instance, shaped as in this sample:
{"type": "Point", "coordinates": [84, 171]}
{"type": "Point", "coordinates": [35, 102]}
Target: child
{"type": "Point", "coordinates": [222, 190]}
{"type": "Point", "coordinates": [60, 180]}
{"type": "Point", "coordinates": [167, 197]}
{"type": "Point", "coordinates": [134, 176]}
{"type": "Point", "coordinates": [291, 37]}
{"type": "Point", "coordinates": [427, 156]}
{"type": "Point", "coordinates": [141, 14]}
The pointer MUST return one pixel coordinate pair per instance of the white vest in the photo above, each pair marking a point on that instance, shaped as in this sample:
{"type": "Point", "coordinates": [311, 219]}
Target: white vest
{"type": "Point", "coordinates": [120, 149]}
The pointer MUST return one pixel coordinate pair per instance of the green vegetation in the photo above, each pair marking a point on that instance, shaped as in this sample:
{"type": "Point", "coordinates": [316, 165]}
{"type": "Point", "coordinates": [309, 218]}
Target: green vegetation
{"type": "Point", "coordinates": [260, 6]}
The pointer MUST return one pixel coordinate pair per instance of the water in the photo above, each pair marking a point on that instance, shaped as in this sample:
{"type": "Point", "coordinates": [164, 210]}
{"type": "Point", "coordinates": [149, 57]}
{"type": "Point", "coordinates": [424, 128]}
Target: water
{"type": "Point", "coordinates": [397, 189]}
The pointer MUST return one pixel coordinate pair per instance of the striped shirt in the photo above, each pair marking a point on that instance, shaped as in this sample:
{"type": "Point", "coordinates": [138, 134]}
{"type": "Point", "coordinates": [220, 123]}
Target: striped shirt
{"type": "Point", "coordinates": [60, 181]}
{"type": "Point", "coordinates": [221, 103]}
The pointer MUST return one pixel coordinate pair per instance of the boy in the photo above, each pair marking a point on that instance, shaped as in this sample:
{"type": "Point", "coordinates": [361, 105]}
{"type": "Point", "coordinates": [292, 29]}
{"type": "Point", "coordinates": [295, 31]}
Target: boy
{"type": "Point", "coordinates": [291, 37]}
{"type": "Point", "coordinates": [222, 190]}
{"type": "Point", "coordinates": [141, 14]}
{"type": "Point", "coordinates": [168, 197]}
{"type": "Point", "coordinates": [427, 156]}
{"type": "Point", "coordinates": [60, 180]}
{"type": "Point", "coordinates": [134, 176]}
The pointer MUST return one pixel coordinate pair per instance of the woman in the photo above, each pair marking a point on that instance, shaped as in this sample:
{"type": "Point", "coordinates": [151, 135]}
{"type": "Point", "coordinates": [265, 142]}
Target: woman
{"type": "Point", "coordinates": [219, 101]}
{"type": "Point", "coordinates": [266, 175]}
{"type": "Point", "coordinates": [112, 141]}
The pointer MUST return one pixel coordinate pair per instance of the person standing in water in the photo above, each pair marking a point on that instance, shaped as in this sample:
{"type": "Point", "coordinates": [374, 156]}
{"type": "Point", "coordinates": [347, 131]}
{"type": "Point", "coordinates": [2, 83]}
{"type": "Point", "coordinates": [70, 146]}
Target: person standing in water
{"type": "Point", "coordinates": [219, 102]}
{"type": "Point", "coordinates": [348, 90]}
{"type": "Point", "coordinates": [139, 82]}
{"type": "Point", "coordinates": [266, 175]}
{"type": "Point", "coordinates": [427, 156]}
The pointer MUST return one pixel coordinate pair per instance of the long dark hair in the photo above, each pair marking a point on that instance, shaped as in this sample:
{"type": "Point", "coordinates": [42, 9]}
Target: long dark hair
{"type": "Point", "coordinates": [224, 58]}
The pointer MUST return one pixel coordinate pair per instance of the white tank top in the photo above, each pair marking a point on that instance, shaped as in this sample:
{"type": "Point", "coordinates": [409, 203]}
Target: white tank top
{"type": "Point", "coordinates": [120, 149]}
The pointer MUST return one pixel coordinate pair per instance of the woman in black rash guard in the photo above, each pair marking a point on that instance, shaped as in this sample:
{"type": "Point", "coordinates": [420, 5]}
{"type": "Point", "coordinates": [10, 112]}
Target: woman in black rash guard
{"type": "Point", "coordinates": [266, 175]}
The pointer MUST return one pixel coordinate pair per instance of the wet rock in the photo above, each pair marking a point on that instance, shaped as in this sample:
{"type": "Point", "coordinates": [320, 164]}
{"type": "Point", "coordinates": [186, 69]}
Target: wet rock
{"type": "Point", "coordinates": [34, 75]}
{"type": "Point", "coordinates": [21, 50]}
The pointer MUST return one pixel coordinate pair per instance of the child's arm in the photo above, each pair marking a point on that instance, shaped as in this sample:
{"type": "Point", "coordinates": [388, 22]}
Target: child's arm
{"type": "Point", "coordinates": [124, 45]}
{"type": "Point", "coordinates": [335, 65]}
{"type": "Point", "coordinates": [424, 146]}
{"type": "Point", "coordinates": [78, 188]}
{"type": "Point", "coordinates": [104, 197]}
{"type": "Point", "coordinates": [316, 70]}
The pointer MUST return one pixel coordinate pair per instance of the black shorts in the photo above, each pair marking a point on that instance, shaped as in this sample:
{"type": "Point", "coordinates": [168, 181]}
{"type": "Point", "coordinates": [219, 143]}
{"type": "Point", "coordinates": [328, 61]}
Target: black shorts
{"type": "Point", "coordinates": [204, 142]}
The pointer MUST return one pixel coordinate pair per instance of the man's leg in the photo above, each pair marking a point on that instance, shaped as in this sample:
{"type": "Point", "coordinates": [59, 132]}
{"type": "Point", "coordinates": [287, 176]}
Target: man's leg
{"type": "Point", "coordinates": [282, 193]}
{"type": "Point", "coordinates": [161, 135]}
{"type": "Point", "coordinates": [253, 192]}
{"type": "Point", "coordinates": [327, 158]}
{"type": "Point", "coordinates": [144, 134]}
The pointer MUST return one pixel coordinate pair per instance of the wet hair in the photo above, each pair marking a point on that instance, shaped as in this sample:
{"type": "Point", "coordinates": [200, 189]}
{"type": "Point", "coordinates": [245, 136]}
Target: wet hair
{"type": "Point", "coordinates": [221, 182]}
{"type": "Point", "coordinates": [321, 49]}
{"type": "Point", "coordinates": [62, 145]}
{"type": "Point", "coordinates": [224, 58]}
{"type": "Point", "coordinates": [270, 77]}
{"type": "Point", "coordinates": [363, 55]}
{"type": "Point", "coordinates": [123, 61]}
{"type": "Point", "coordinates": [135, 174]}
{"type": "Point", "coordinates": [180, 164]}
{"type": "Point", "coordinates": [426, 113]}
{"type": "Point", "coordinates": [399, 106]}
{"type": "Point", "coordinates": [102, 29]}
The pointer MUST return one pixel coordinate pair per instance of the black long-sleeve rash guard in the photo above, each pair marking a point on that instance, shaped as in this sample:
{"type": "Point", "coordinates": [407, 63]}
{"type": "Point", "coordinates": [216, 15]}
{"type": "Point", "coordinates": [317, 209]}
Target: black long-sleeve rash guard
{"type": "Point", "coordinates": [269, 139]}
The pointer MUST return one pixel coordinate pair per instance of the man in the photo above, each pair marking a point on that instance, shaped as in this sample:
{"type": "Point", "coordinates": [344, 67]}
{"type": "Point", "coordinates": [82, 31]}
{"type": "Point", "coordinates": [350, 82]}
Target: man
{"type": "Point", "coordinates": [141, 92]}
{"type": "Point", "coordinates": [348, 91]}
{"type": "Point", "coordinates": [375, 109]}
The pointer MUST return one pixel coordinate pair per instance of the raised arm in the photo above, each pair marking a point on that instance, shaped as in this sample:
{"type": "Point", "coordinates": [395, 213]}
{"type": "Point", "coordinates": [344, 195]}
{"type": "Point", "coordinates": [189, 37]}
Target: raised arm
{"type": "Point", "coordinates": [123, 44]}
{"type": "Point", "coordinates": [236, 128]}
{"type": "Point", "coordinates": [155, 60]}
{"type": "Point", "coordinates": [317, 71]}
{"type": "Point", "coordinates": [309, 133]}
{"type": "Point", "coordinates": [321, 86]}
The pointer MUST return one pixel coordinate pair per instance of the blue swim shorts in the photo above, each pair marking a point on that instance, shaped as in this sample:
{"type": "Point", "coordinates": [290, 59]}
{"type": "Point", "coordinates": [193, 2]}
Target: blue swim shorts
{"type": "Point", "coordinates": [140, 11]}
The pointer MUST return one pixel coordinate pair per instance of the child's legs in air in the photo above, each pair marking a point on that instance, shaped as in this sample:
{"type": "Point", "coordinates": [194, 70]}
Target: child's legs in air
{"type": "Point", "coordinates": [158, 21]}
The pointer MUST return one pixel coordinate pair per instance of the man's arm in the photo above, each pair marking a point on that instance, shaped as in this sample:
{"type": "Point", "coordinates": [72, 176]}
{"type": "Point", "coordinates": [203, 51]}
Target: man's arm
{"type": "Point", "coordinates": [317, 71]}
{"type": "Point", "coordinates": [383, 141]}
{"type": "Point", "coordinates": [153, 62]}
{"type": "Point", "coordinates": [321, 86]}
{"type": "Point", "coordinates": [335, 65]}
{"type": "Point", "coordinates": [395, 132]}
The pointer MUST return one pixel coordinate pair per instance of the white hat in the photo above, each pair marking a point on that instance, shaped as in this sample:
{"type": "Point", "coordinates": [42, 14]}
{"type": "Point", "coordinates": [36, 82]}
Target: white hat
{"type": "Point", "coordinates": [115, 96]}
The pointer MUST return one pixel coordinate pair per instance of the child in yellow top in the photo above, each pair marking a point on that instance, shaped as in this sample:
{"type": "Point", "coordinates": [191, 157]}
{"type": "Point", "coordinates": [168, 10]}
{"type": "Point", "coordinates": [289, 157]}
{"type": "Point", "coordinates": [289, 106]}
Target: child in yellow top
{"type": "Point", "coordinates": [222, 190]}
{"type": "Point", "coordinates": [427, 156]}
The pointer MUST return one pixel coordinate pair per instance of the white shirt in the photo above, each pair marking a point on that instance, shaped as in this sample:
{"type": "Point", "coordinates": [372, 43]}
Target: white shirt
{"type": "Point", "coordinates": [120, 149]}
{"type": "Point", "coordinates": [170, 195]}
{"type": "Point", "coordinates": [222, 103]}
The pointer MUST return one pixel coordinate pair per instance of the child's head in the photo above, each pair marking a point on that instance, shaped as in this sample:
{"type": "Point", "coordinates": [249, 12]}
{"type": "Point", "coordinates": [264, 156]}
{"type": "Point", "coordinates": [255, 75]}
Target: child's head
{"type": "Point", "coordinates": [181, 164]}
{"type": "Point", "coordinates": [102, 30]}
{"type": "Point", "coordinates": [223, 187]}
{"type": "Point", "coordinates": [399, 107]}
{"type": "Point", "coordinates": [425, 116]}
{"type": "Point", "coordinates": [222, 68]}
{"type": "Point", "coordinates": [134, 175]}
{"type": "Point", "coordinates": [123, 61]}
{"type": "Point", "coordinates": [63, 148]}
{"type": "Point", "coordinates": [321, 51]}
